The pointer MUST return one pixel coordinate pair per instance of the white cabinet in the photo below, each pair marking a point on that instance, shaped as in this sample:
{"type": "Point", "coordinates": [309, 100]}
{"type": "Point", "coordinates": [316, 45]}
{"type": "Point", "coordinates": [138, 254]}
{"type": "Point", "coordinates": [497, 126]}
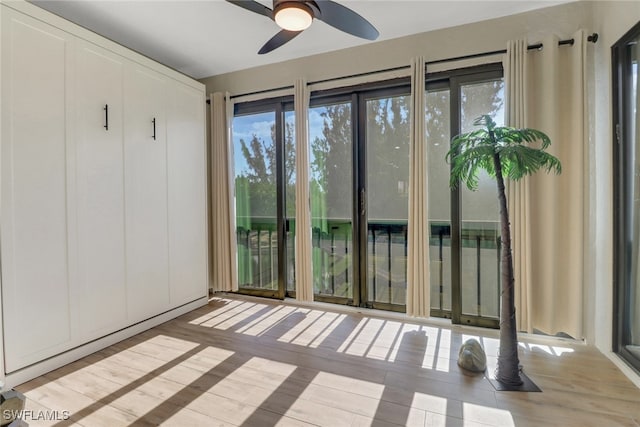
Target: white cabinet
{"type": "Point", "coordinates": [103, 190]}
{"type": "Point", "coordinates": [36, 60]}
{"type": "Point", "coordinates": [146, 192]}
{"type": "Point", "coordinates": [99, 85]}
{"type": "Point", "coordinates": [187, 193]}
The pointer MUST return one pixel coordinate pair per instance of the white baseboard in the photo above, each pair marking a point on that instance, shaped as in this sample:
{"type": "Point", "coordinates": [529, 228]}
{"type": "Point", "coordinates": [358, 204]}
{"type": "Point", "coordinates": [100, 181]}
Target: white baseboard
{"type": "Point", "coordinates": [25, 374]}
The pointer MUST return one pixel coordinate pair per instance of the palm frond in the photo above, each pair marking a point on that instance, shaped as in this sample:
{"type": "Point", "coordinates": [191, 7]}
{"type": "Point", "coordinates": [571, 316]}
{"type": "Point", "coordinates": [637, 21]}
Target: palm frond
{"type": "Point", "coordinates": [519, 160]}
{"type": "Point", "coordinates": [476, 150]}
{"type": "Point", "coordinates": [466, 163]}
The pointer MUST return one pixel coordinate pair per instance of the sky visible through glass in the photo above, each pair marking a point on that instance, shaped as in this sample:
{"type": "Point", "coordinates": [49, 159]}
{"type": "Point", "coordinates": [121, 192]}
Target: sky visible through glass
{"type": "Point", "coordinates": [259, 124]}
{"type": "Point", "coordinates": [246, 126]}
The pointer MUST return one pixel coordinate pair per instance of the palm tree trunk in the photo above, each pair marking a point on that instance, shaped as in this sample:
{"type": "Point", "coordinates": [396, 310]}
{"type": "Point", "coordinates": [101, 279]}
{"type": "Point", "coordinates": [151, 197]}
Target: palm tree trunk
{"type": "Point", "coordinates": [508, 371]}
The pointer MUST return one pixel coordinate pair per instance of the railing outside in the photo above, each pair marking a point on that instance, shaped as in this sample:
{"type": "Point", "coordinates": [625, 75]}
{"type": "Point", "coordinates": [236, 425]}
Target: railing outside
{"type": "Point", "coordinates": [387, 247]}
{"type": "Point", "coordinates": [257, 253]}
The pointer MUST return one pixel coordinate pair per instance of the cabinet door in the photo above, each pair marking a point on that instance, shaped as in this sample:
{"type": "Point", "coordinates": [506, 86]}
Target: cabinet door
{"type": "Point", "coordinates": [35, 249]}
{"type": "Point", "coordinates": [145, 160]}
{"type": "Point", "coordinates": [100, 190]}
{"type": "Point", "coordinates": [187, 194]}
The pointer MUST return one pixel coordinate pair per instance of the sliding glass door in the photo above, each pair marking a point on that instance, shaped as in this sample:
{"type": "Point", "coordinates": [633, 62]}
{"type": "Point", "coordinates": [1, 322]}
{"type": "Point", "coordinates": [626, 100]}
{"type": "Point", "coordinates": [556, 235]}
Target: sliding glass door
{"type": "Point", "coordinates": [438, 126]}
{"type": "Point", "coordinates": [386, 197]}
{"type": "Point", "coordinates": [626, 65]}
{"type": "Point", "coordinates": [331, 189]}
{"type": "Point", "coordinates": [264, 160]}
{"type": "Point", "coordinates": [479, 216]}
{"type": "Point", "coordinates": [465, 241]}
{"type": "Point", "coordinates": [359, 188]}
{"type": "Point", "coordinates": [359, 195]}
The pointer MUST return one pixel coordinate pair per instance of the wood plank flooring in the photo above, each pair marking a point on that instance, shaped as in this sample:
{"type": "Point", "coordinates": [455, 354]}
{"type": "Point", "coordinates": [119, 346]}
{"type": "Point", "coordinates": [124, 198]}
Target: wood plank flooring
{"type": "Point", "coordinates": [250, 362]}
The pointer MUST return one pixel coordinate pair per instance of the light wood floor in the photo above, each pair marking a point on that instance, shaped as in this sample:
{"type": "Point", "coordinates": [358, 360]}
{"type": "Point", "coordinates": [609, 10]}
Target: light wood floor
{"type": "Point", "coordinates": [245, 362]}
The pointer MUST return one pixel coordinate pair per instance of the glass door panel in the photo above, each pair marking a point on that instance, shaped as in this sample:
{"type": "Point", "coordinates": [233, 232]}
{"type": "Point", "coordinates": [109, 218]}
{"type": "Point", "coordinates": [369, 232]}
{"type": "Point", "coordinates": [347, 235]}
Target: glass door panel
{"type": "Point", "coordinates": [359, 153]}
{"type": "Point", "coordinates": [256, 200]}
{"type": "Point", "coordinates": [631, 334]}
{"type": "Point", "coordinates": [290, 195]}
{"type": "Point", "coordinates": [438, 118]}
{"type": "Point", "coordinates": [331, 189]}
{"type": "Point", "coordinates": [626, 60]}
{"type": "Point", "coordinates": [387, 187]}
{"type": "Point", "coordinates": [480, 220]}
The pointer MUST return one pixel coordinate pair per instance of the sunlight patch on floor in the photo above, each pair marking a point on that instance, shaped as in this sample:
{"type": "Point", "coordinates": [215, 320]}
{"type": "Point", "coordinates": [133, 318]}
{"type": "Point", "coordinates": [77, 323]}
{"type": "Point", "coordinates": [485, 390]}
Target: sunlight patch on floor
{"type": "Point", "coordinates": [168, 341]}
{"type": "Point", "coordinates": [256, 327]}
{"type": "Point", "coordinates": [551, 350]}
{"type": "Point", "coordinates": [367, 388]}
{"type": "Point", "coordinates": [328, 331]}
{"type": "Point", "coordinates": [235, 315]}
{"type": "Point", "coordinates": [442, 364]}
{"type": "Point", "coordinates": [203, 361]}
{"type": "Point", "coordinates": [429, 402]}
{"type": "Point", "coordinates": [310, 328]}
{"type": "Point", "coordinates": [222, 313]}
{"type": "Point", "coordinates": [486, 415]}
{"type": "Point", "coordinates": [270, 366]}
{"type": "Point", "coordinates": [351, 338]}
{"type": "Point", "coordinates": [348, 397]}
{"type": "Point", "coordinates": [237, 385]}
{"type": "Point", "coordinates": [441, 358]}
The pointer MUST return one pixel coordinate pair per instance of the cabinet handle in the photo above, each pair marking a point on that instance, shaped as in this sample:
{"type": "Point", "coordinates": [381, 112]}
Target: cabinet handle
{"type": "Point", "coordinates": [106, 116]}
{"type": "Point", "coordinates": [154, 128]}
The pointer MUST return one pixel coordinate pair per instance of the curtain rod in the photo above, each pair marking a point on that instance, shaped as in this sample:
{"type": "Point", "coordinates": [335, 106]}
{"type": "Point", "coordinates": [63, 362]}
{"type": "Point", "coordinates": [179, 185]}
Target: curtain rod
{"type": "Point", "coordinates": [593, 38]}
{"type": "Point", "coordinates": [258, 92]}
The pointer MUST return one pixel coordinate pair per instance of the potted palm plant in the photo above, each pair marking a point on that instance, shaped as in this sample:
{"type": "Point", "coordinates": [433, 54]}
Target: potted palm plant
{"type": "Point", "coordinates": [503, 152]}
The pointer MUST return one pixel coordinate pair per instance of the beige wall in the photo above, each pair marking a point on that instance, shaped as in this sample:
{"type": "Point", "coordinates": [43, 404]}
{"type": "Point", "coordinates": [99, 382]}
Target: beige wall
{"type": "Point", "coordinates": [610, 19]}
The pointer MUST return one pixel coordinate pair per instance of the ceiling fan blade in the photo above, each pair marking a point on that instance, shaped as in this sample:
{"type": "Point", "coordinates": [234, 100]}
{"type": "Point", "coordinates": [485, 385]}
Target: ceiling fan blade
{"type": "Point", "coordinates": [346, 20]}
{"type": "Point", "coordinates": [278, 40]}
{"type": "Point", "coordinates": [253, 6]}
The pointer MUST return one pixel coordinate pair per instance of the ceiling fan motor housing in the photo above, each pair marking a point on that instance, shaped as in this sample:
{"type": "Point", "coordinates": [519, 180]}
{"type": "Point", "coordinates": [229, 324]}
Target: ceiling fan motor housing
{"type": "Point", "coordinates": [294, 16]}
{"type": "Point", "coordinates": [308, 6]}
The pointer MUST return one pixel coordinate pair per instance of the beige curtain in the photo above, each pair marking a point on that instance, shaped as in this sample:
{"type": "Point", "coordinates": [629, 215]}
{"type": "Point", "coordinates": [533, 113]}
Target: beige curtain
{"type": "Point", "coordinates": [223, 254]}
{"type": "Point", "coordinates": [303, 255]}
{"type": "Point", "coordinates": [418, 291]}
{"type": "Point", "coordinates": [549, 213]}
{"type": "Point", "coordinates": [515, 76]}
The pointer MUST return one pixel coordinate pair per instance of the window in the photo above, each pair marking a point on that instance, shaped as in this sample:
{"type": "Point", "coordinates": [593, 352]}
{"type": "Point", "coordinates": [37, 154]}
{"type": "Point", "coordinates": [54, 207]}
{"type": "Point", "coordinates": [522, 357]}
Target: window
{"type": "Point", "coordinates": [264, 168]}
{"type": "Point", "coordinates": [465, 240]}
{"type": "Point", "coordinates": [626, 60]}
{"type": "Point", "coordinates": [359, 188]}
{"type": "Point", "coordinates": [359, 145]}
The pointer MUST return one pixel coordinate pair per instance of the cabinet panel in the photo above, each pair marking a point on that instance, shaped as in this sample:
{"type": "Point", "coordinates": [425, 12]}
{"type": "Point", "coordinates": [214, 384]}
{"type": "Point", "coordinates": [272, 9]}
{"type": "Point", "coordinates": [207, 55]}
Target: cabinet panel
{"type": "Point", "coordinates": [100, 190]}
{"type": "Point", "coordinates": [35, 276]}
{"type": "Point", "coordinates": [187, 194]}
{"type": "Point", "coordinates": [146, 193]}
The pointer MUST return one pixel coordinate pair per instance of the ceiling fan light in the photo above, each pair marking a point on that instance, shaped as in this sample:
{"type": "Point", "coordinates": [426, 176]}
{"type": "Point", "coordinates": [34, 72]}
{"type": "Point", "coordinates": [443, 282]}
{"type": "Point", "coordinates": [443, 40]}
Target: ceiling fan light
{"type": "Point", "coordinates": [293, 16]}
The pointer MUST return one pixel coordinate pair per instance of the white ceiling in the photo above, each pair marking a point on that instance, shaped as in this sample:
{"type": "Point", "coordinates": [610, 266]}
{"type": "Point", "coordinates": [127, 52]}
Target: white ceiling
{"type": "Point", "coordinates": [203, 38]}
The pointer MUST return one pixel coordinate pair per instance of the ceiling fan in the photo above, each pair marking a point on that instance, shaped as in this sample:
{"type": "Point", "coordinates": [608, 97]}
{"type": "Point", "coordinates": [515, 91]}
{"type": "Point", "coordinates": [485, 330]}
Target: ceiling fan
{"type": "Point", "coordinates": [294, 16]}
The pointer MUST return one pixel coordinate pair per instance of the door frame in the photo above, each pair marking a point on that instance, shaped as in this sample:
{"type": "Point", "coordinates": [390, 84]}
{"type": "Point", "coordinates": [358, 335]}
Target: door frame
{"type": "Point", "coordinates": [622, 174]}
{"type": "Point", "coordinates": [279, 106]}
{"type": "Point", "coordinates": [362, 195]}
{"type": "Point", "coordinates": [454, 80]}
{"type": "Point", "coordinates": [357, 97]}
